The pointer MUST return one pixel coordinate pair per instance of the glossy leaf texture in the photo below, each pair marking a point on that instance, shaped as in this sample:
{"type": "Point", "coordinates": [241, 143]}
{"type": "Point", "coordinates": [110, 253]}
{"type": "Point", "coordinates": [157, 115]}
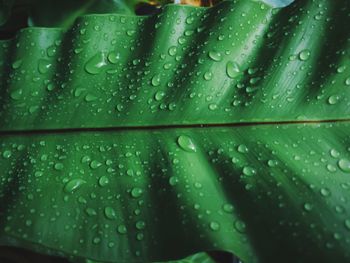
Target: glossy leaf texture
{"type": "Point", "coordinates": [236, 62]}
{"type": "Point", "coordinates": [120, 138]}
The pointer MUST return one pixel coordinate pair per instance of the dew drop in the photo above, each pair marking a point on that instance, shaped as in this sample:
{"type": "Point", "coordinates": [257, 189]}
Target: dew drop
{"type": "Point", "coordinates": [58, 166]}
{"type": "Point", "coordinates": [347, 81]}
{"type": "Point", "coordinates": [51, 51]}
{"type": "Point", "coordinates": [341, 69]}
{"type": "Point", "coordinates": [140, 225]}
{"type": "Point", "coordinates": [136, 192]}
{"type": "Point", "coordinates": [44, 66]}
{"type": "Point", "coordinates": [213, 106]}
{"type": "Point", "coordinates": [242, 148]}
{"type": "Point", "coordinates": [110, 213]}
{"type": "Point", "coordinates": [113, 57]}
{"type": "Point", "coordinates": [347, 224]}
{"type": "Point", "coordinates": [334, 153]}
{"type": "Point", "coordinates": [208, 75]}
{"type": "Point", "coordinates": [103, 181]}
{"type": "Point", "coordinates": [333, 99]}
{"type": "Point", "coordinates": [90, 97]}
{"type": "Point", "coordinates": [73, 185]}
{"type": "Point", "coordinates": [95, 164]}
{"type": "Point", "coordinates": [228, 208]}
{"type": "Point", "coordinates": [38, 174]}
{"type": "Point", "coordinates": [96, 63]}
{"type": "Point", "coordinates": [214, 55]}
{"type": "Point", "coordinates": [159, 95]}
{"type": "Point", "coordinates": [155, 80]}
{"type": "Point", "coordinates": [304, 54]}
{"type": "Point", "coordinates": [249, 171]}
{"type": "Point", "coordinates": [7, 154]}
{"type": "Point", "coordinates": [272, 163]}
{"type": "Point", "coordinates": [344, 165]}
{"type": "Point", "coordinates": [122, 229]}
{"type": "Point", "coordinates": [325, 192]}
{"type": "Point", "coordinates": [173, 180]}
{"type": "Point", "coordinates": [240, 226]}
{"type": "Point", "coordinates": [172, 51]}
{"type": "Point", "coordinates": [16, 94]}
{"type": "Point", "coordinates": [307, 207]}
{"type": "Point", "coordinates": [331, 168]}
{"type": "Point", "coordinates": [17, 64]}
{"type": "Point", "coordinates": [186, 143]}
{"type": "Point", "coordinates": [232, 70]}
{"type": "Point", "coordinates": [215, 226]}
{"type": "Point", "coordinates": [90, 211]}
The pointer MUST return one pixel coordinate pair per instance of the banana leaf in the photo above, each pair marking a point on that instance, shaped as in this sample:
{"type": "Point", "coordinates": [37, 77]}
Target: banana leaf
{"type": "Point", "coordinates": [149, 138]}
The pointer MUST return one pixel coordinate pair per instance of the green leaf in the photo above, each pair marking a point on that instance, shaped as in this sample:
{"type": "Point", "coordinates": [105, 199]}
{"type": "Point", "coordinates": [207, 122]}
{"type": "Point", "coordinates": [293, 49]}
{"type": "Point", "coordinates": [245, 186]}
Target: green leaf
{"type": "Point", "coordinates": [133, 139]}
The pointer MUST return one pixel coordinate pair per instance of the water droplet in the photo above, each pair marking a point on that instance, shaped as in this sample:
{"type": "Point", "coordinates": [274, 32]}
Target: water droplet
{"type": "Point", "coordinates": [103, 181]}
{"type": "Point", "coordinates": [90, 97]}
{"type": "Point", "coordinates": [17, 64]}
{"type": "Point", "coordinates": [28, 222]}
{"type": "Point", "coordinates": [304, 54]}
{"type": "Point", "coordinates": [73, 185]}
{"type": "Point", "coordinates": [334, 153]}
{"type": "Point", "coordinates": [155, 80]}
{"type": "Point", "coordinates": [50, 87]}
{"type": "Point", "coordinates": [96, 64]}
{"type": "Point", "coordinates": [173, 180]}
{"type": "Point", "coordinates": [325, 192]}
{"type": "Point", "coordinates": [272, 163]}
{"type": "Point", "coordinates": [95, 164]}
{"type": "Point", "coordinates": [44, 66]}
{"type": "Point", "coordinates": [215, 226]}
{"type": "Point", "coordinates": [213, 106]}
{"type": "Point", "coordinates": [240, 226]}
{"type": "Point", "coordinates": [38, 174]}
{"type": "Point", "coordinates": [6, 154]}
{"type": "Point", "coordinates": [341, 69]}
{"type": "Point", "coordinates": [172, 51]}
{"type": "Point", "coordinates": [119, 107]}
{"type": "Point", "coordinates": [347, 224]}
{"type": "Point", "coordinates": [242, 148]}
{"type": "Point", "coordinates": [96, 240]}
{"type": "Point", "coordinates": [347, 81]}
{"type": "Point", "coordinates": [249, 171]}
{"type": "Point", "coordinates": [331, 168]}
{"type": "Point", "coordinates": [16, 94]}
{"type": "Point", "coordinates": [333, 99]}
{"type": "Point", "coordinates": [130, 32]}
{"type": "Point", "coordinates": [228, 208]}
{"type": "Point", "coordinates": [58, 166]}
{"type": "Point", "coordinates": [51, 51]}
{"type": "Point", "coordinates": [344, 165]}
{"type": "Point", "coordinates": [186, 143]}
{"type": "Point", "coordinates": [189, 20]}
{"type": "Point", "coordinates": [159, 95]}
{"type": "Point", "coordinates": [208, 75]}
{"type": "Point", "coordinates": [110, 213]}
{"type": "Point", "coordinates": [113, 57]}
{"type": "Point", "coordinates": [307, 207]}
{"type": "Point", "coordinates": [122, 229]}
{"type": "Point", "coordinates": [136, 192]}
{"type": "Point", "coordinates": [232, 70]}
{"type": "Point", "coordinates": [214, 55]}
{"type": "Point", "coordinates": [140, 225]}
{"type": "Point", "coordinates": [90, 211]}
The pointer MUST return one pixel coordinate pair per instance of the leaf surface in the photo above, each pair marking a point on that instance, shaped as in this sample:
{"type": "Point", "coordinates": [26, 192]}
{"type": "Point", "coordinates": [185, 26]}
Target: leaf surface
{"type": "Point", "coordinates": [122, 138]}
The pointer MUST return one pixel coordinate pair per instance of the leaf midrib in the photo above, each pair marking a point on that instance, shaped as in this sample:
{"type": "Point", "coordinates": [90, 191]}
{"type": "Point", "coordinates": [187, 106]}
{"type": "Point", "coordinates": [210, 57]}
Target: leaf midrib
{"type": "Point", "coordinates": [164, 127]}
